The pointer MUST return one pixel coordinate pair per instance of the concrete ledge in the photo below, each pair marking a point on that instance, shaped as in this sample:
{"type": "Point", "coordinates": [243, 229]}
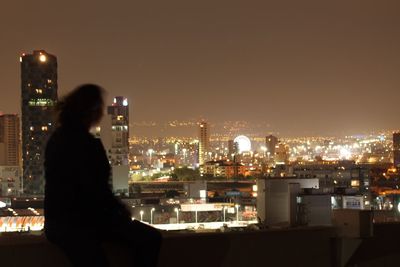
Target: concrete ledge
{"type": "Point", "coordinates": [294, 247]}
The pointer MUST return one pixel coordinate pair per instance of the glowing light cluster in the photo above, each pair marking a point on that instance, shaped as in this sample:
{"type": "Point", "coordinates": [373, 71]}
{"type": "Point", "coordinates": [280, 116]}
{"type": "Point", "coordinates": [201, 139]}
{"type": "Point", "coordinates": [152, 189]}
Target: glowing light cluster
{"type": "Point", "coordinates": [244, 143]}
{"type": "Point", "coordinates": [42, 58]}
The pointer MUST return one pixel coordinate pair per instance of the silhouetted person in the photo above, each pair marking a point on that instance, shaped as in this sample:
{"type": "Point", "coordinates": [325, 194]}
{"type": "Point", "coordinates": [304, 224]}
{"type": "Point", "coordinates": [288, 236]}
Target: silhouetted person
{"type": "Point", "coordinates": [81, 211]}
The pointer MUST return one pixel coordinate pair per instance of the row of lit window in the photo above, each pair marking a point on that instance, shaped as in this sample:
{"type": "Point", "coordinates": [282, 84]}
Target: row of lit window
{"type": "Point", "coordinates": [41, 102]}
{"type": "Point", "coordinates": [43, 128]}
{"type": "Point", "coordinates": [120, 128]}
{"type": "Point", "coordinates": [48, 81]}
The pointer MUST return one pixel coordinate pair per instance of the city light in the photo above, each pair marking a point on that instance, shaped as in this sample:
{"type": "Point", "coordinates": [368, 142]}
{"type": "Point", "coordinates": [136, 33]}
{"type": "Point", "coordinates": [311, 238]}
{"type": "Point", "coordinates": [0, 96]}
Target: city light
{"type": "Point", "coordinates": [42, 58]}
{"type": "Point", "coordinates": [224, 212]}
{"type": "Point", "coordinates": [177, 215]}
{"type": "Point", "coordinates": [244, 143]}
{"type": "Point", "coordinates": [141, 215]}
{"type": "Point", "coordinates": [237, 212]}
{"type": "Point", "coordinates": [151, 215]}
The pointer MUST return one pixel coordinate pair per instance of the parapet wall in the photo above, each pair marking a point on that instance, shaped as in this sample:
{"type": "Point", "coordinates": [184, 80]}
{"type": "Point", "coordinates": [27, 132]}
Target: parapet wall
{"type": "Point", "coordinates": [294, 247]}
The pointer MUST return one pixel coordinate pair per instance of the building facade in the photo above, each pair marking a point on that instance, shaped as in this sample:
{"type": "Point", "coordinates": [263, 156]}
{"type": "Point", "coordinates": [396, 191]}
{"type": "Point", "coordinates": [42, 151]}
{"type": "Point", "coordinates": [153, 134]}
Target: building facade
{"type": "Point", "coordinates": [114, 133]}
{"type": "Point", "coordinates": [119, 115]}
{"type": "Point", "coordinates": [233, 149]}
{"type": "Point", "coordinates": [10, 180]}
{"type": "Point", "coordinates": [204, 142]}
{"type": "Point", "coordinates": [222, 168]}
{"type": "Point", "coordinates": [38, 98]}
{"type": "Point", "coordinates": [10, 147]}
{"type": "Point", "coordinates": [9, 140]}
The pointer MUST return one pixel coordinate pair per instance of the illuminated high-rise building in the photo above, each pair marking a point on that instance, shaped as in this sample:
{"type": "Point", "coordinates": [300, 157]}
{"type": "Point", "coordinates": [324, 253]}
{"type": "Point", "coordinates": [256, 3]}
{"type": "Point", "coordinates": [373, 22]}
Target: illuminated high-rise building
{"type": "Point", "coordinates": [396, 149]}
{"type": "Point", "coordinates": [233, 148]}
{"type": "Point", "coordinates": [119, 114]}
{"type": "Point", "coordinates": [270, 143]}
{"type": "Point", "coordinates": [9, 140]}
{"type": "Point", "coordinates": [114, 133]}
{"type": "Point", "coordinates": [10, 155]}
{"type": "Point", "coordinates": [204, 142]}
{"type": "Point", "coordinates": [38, 98]}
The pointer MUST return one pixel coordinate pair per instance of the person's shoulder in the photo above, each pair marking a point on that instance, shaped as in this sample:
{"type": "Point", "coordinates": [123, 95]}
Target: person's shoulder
{"type": "Point", "coordinates": [97, 142]}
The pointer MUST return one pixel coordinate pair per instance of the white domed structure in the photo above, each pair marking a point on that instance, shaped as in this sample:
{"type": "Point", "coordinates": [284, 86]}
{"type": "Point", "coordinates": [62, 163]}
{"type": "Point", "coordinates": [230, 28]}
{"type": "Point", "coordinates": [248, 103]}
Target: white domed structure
{"type": "Point", "coordinates": [244, 143]}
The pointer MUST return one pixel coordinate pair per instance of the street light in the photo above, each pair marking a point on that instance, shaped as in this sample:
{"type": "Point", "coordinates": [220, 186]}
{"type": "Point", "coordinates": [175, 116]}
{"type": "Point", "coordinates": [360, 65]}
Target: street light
{"type": "Point", "coordinates": [150, 152]}
{"type": "Point", "coordinates": [264, 149]}
{"type": "Point", "coordinates": [177, 215]}
{"type": "Point", "coordinates": [141, 215]}
{"type": "Point", "coordinates": [224, 212]}
{"type": "Point", "coordinates": [151, 215]}
{"type": "Point", "coordinates": [237, 212]}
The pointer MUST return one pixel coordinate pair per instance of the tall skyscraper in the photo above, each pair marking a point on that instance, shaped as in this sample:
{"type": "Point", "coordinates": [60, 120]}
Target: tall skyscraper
{"type": "Point", "coordinates": [114, 133]}
{"type": "Point", "coordinates": [9, 140]}
{"type": "Point", "coordinates": [270, 143]}
{"type": "Point", "coordinates": [396, 149]}
{"type": "Point", "coordinates": [38, 97]}
{"type": "Point", "coordinates": [10, 147]}
{"type": "Point", "coordinates": [204, 142]}
{"type": "Point", "coordinates": [119, 114]}
{"type": "Point", "coordinates": [233, 149]}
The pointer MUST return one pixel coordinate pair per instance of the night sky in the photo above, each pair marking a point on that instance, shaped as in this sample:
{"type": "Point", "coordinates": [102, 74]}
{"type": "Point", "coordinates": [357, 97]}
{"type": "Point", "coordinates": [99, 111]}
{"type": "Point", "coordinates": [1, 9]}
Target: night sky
{"type": "Point", "coordinates": [304, 67]}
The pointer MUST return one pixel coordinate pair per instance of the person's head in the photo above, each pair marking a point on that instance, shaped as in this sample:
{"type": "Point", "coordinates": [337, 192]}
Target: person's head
{"type": "Point", "coordinates": [82, 107]}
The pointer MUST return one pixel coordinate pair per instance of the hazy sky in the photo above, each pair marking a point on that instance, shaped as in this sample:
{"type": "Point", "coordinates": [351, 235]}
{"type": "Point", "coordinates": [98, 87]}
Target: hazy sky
{"type": "Point", "coordinates": [302, 66]}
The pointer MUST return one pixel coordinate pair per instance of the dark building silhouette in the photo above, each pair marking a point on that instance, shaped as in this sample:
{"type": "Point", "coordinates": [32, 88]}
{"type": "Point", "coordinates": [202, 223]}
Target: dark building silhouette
{"type": "Point", "coordinates": [233, 148]}
{"type": "Point", "coordinates": [204, 142]}
{"type": "Point", "coordinates": [270, 143]}
{"type": "Point", "coordinates": [38, 98]}
{"type": "Point", "coordinates": [396, 149]}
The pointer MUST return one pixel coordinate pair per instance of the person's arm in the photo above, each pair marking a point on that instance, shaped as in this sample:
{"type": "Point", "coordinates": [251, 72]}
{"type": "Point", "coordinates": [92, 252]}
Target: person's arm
{"type": "Point", "coordinates": [102, 192]}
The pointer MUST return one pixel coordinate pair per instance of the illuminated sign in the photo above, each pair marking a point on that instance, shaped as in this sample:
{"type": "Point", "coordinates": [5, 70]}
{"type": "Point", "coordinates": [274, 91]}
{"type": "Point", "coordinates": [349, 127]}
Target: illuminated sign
{"type": "Point", "coordinates": [201, 207]}
{"type": "Point", "coordinates": [353, 202]}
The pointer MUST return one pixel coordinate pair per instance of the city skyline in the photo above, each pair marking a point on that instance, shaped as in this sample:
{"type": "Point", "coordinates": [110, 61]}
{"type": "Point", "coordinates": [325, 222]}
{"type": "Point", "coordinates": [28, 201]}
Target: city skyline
{"type": "Point", "coordinates": [304, 68]}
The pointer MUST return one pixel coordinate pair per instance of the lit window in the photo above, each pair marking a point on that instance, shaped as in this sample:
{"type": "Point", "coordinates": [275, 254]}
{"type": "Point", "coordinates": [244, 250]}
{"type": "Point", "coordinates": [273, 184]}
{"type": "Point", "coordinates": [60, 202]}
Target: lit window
{"type": "Point", "coordinates": [39, 91]}
{"type": "Point", "coordinates": [44, 128]}
{"type": "Point", "coordinates": [355, 183]}
{"type": "Point", "coordinates": [41, 102]}
{"type": "Point", "coordinates": [31, 128]}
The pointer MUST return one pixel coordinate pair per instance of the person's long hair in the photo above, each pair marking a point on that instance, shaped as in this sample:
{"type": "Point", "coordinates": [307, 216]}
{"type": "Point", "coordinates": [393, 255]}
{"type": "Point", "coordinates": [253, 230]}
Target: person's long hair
{"type": "Point", "coordinates": [81, 107]}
